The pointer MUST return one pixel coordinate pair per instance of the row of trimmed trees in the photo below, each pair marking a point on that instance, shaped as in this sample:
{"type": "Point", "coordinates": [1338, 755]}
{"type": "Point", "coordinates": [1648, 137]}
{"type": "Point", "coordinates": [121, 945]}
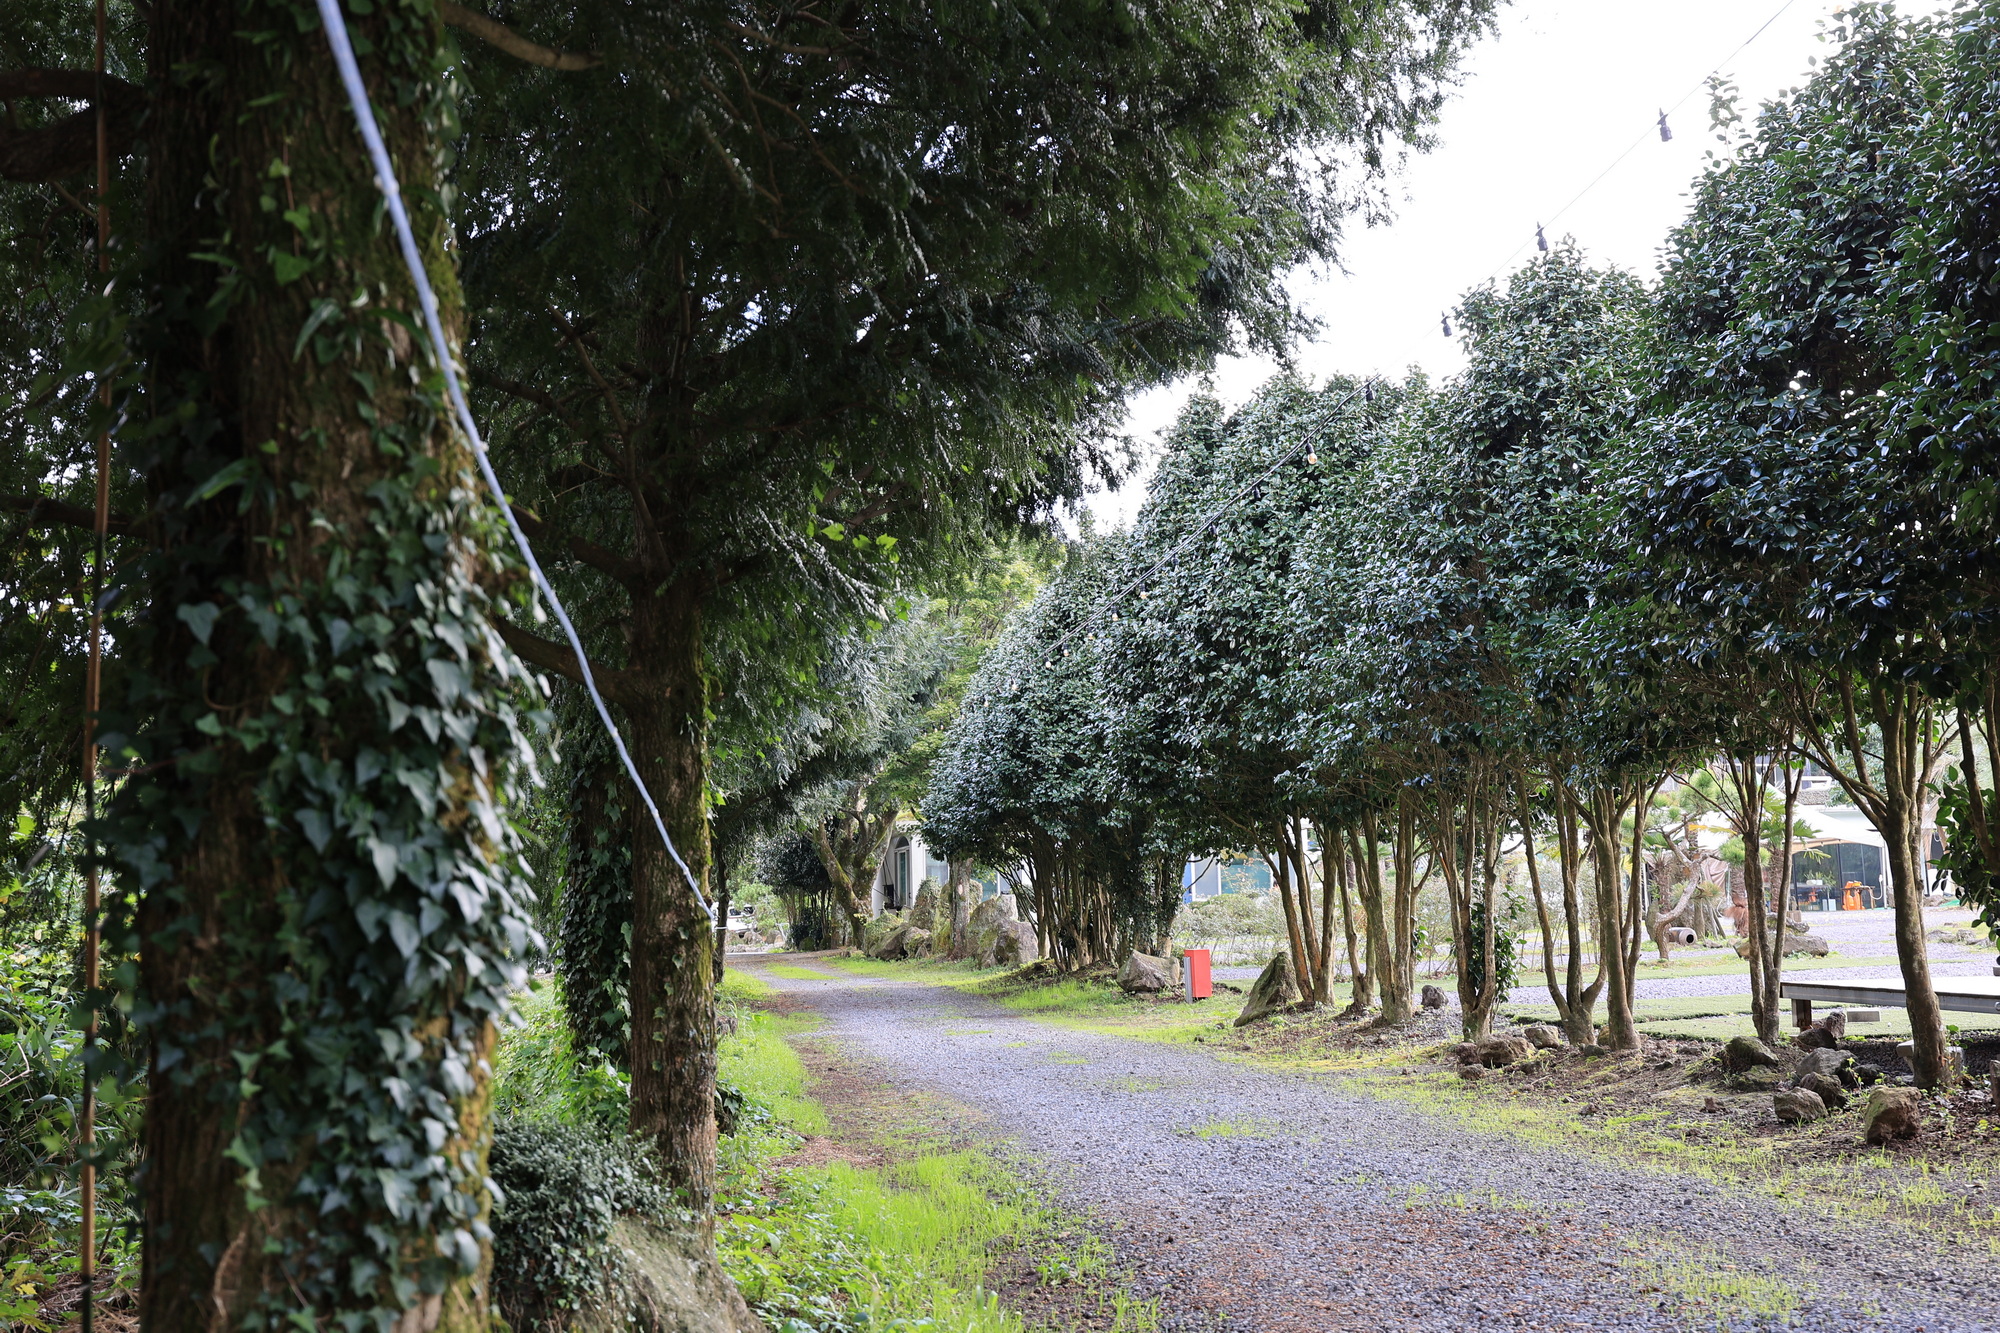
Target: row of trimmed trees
{"type": "Point", "coordinates": [1695, 533]}
{"type": "Point", "coordinates": [773, 314]}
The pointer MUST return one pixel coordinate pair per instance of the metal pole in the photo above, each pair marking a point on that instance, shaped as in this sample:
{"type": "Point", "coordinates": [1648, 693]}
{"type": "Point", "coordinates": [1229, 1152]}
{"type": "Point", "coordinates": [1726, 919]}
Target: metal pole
{"type": "Point", "coordinates": [87, 1239]}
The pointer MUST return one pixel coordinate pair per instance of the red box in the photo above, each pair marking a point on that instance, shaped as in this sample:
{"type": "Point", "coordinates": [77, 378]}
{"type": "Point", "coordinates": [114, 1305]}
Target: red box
{"type": "Point", "coordinates": [1195, 961]}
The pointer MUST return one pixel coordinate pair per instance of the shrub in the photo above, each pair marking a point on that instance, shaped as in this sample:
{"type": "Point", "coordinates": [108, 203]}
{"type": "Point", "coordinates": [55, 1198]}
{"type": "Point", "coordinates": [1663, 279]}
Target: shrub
{"type": "Point", "coordinates": [562, 1187]}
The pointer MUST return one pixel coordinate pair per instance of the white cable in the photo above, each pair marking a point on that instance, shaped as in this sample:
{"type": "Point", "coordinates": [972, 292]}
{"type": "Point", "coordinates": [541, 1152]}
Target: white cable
{"type": "Point", "coordinates": [385, 180]}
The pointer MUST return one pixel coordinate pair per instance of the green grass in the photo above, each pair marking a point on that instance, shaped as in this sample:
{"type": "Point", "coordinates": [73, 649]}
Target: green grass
{"type": "Point", "coordinates": [840, 1248]}
{"type": "Point", "coordinates": [1232, 1129]}
{"type": "Point", "coordinates": [791, 973]}
{"type": "Point", "coordinates": [537, 1077]}
{"type": "Point", "coordinates": [742, 987]}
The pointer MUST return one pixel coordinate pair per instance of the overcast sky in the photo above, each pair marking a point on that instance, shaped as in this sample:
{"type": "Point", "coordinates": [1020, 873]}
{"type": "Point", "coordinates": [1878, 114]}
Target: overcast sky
{"type": "Point", "coordinates": [1564, 89]}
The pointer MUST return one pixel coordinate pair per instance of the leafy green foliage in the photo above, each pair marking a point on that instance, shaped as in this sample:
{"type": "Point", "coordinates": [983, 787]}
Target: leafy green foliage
{"type": "Point", "coordinates": [539, 1076]}
{"type": "Point", "coordinates": [562, 1187]}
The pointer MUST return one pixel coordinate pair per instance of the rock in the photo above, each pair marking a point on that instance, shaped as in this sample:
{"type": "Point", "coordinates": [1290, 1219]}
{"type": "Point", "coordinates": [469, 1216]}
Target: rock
{"type": "Point", "coordinates": [1503, 1049]}
{"type": "Point", "coordinates": [923, 912]}
{"type": "Point", "coordinates": [1891, 1113]}
{"type": "Point", "coordinates": [1592, 1049]}
{"type": "Point", "coordinates": [668, 1282]}
{"type": "Point", "coordinates": [1834, 1021]}
{"type": "Point", "coordinates": [916, 942]}
{"type": "Point", "coordinates": [1825, 1060]}
{"type": "Point", "coordinates": [1816, 1038]}
{"type": "Point", "coordinates": [1433, 998]}
{"type": "Point", "coordinates": [1015, 943]}
{"type": "Point", "coordinates": [875, 932]}
{"type": "Point", "coordinates": [1710, 1105]}
{"type": "Point", "coordinates": [1815, 945]}
{"type": "Point", "coordinates": [1144, 974]}
{"type": "Point", "coordinates": [1747, 1053]}
{"type": "Point", "coordinates": [1757, 1078]}
{"type": "Point", "coordinates": [890, 946]}
{"type": "Point", "coordinates": [982, 926]}
{"type": "Point", "coordinates": [1868, 1073]}
{"type": "Point", "coordinates": [1826, 1087]}
{"type": "Point", "coordinates": [1795, 1105]}
{"type": "Point", "coordinates": [1542, 1037]}
{"type": "Point", "coordinates": [1472, 1073]}
{"type": "Point", "coordinates": [1465, 1052]}
{"type": "Point", "coordinates": [1275, 989]}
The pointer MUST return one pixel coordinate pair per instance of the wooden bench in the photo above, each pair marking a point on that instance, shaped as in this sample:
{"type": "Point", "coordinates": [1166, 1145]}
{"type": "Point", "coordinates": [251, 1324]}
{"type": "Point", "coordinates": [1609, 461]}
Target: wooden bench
{"type": "Point", "coordinates": [1967, 995]}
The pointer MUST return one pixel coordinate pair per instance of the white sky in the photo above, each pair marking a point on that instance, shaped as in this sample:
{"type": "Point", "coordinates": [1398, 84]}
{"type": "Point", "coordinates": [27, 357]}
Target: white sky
{"type": "Point", "coordinates": [1564, 89]}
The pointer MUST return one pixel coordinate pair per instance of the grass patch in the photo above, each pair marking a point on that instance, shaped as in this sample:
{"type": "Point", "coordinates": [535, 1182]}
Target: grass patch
{"type": "Point", "coordinates": [930, 1240]}
{"type": "Point", "coordinates": [1231, 1129]}
{"type": "Point", "coordinates": [743, 987]}
{"type": "Point", "coordinates": [792, 973]}
{"type": "Point", "coordinates": [1710, 1289]}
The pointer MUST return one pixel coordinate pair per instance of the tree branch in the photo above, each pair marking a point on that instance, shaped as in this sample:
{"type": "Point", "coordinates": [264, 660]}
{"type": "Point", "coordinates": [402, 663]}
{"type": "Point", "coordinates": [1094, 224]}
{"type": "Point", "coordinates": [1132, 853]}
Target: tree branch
{"type": "Point", "coordinates": [513, 43]}
{"type": "Point", "coordinates": [597, 557]}
{"type": "Point", "coordinates": [617, 686]}
{"type": "Point", "coordinates": [42, 510]}
{"type": "Point", "coordinates": [69, 146]}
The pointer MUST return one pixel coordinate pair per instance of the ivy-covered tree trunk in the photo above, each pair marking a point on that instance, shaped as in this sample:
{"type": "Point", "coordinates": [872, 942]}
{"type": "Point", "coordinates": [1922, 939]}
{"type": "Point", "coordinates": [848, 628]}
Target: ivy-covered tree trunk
{"type": "Point", "coordinates": [1605, 807]}
{"type": "Point", "coordinates": [594, 941]}
{"type": "Point", "coordinates": [317, 871]}
{"type": "Point", "coordinates": [673, 978]}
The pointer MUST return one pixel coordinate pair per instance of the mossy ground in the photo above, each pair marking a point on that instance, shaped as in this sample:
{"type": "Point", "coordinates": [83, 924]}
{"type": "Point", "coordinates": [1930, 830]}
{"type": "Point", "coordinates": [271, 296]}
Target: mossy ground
{"type": "Point", "coordinates": [849, 1204]}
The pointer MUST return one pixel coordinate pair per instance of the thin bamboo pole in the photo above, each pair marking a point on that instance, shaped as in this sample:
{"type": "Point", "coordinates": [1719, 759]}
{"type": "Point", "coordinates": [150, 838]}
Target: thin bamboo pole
{"type": "Point", "coordinates": [93, 675]}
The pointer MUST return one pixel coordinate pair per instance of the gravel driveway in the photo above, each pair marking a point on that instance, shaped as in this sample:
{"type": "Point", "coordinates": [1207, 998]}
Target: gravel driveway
{"type": "Point", "coordinates": [1262, 1202]}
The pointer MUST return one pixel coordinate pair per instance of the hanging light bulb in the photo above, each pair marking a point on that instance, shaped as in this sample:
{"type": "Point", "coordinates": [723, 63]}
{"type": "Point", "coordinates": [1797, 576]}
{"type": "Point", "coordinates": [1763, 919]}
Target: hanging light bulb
{"type": "Point", "coordinates": [1368, 392]}
{"type": "Point", "coordinates": [1541, 241]}
{"type": "Point", "coordinates": [1666, 131]}
{"type": "Point", "coordinates": [1312, 458]}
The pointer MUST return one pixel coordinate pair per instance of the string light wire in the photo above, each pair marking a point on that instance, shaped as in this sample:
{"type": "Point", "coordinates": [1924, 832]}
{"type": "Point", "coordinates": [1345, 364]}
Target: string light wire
{"type": "Point", "coordinates": [392, 195]}
{"type": "Point", "coordinates": [1644, 135]}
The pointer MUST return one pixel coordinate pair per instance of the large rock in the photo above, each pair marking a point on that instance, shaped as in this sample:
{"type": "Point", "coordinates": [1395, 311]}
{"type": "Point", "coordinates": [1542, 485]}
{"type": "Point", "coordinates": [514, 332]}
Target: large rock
{"type": "Point", "coordinates": [1891, 1113]}
{"type": "Point", "coordinates": [1816, 1038]}
{"type": "Point", "coordinates": [1834, 1064]}
{"type": "Point", "coordinates": [914, 942]}
{"type": "Point", "coordinates": [880, 929]}
{"type": "Point", "coordinates": [1502, 1049]}
{"type": "Point", "coordinates": [1276, 989]}
{"type": "Point", "coordinates": [923, 912]}
{"type": "Point", "coordinates": [1835, 1022]}
{"type": "Point", "coordinates": [1014, 944]}
{"type": "Point", "coordinates": [890, 946]}
{"type": "Point", "coordinates": [1747, 1053]}
{"type": "Point", "coordinates": [1806, 944]}
{"type": "Point", "coordinates": [1433, 998]}
{"type": "Point", "coordinates": [1794, 1105]}
{"type": "Point", "coordinates": [1542, 1037]}
{"type": "Point", "coordinates": [982, 927]}
{"type": "Point", "coordinates": [1825, 1086]}
{"type": "Point", "coordinates": [1144, 974]}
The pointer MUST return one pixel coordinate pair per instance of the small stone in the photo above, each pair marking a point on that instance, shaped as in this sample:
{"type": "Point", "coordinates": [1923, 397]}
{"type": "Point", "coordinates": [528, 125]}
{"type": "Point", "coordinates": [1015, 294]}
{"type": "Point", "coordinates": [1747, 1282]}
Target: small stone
{"type": "Point", "coordinates": [1542, 1037]}
{"type": "Point", "coordinates": [1868, 1073]}
{"type": "Point", "coordinates": [1835, 1022]}
{"type": "Point", "coordinates": [1757, 1078]}
{"type": "Point", "coordinates": [1144, 974]}
{"type": "Point", "coordinates": [1795, 1105]}
{"type": "Point", "coordinates": [1710, 1105]}
{"type": "Point", "coordinates": [1826, 1087]}
{"type": "Point", "coordinates": [1745, 1053]}
{"type": "Point", "coordinates": [1891, 1113]}
{"type": "Point", "coordinates": [1472, 1073]}
{"type": "Point", "coordinates": [1592, 1049]}
{"type": "Point", "coordinates": [1822, 1061]}
{"type": "Point", "coordinates": [1501, 1050]}
{"type": "Point", "coordinates": [1433, 998]}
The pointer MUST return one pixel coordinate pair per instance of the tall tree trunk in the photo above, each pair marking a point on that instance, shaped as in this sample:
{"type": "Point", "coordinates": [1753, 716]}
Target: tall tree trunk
{"type": "Point", "coordinates": [320, 945]}
{"type": "Point", "coordinates": [1605, 806]}
{"type": "Point", "coordinates": [1334, 863]}
{"type": "Point", "coordinates": [673, 977]}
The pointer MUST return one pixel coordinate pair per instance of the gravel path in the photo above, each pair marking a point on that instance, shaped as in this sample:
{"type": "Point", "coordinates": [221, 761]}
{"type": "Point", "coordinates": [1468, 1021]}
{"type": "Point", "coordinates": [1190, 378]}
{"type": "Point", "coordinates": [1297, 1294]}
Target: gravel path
{"type": "Point", "coordinates": [1262, 1202]}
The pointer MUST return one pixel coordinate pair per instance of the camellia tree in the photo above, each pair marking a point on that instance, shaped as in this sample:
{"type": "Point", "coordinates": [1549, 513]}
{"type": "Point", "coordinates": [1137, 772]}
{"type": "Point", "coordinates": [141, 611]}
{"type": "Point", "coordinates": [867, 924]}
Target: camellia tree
{"type": "Point", "coordinates": [1773, 511]}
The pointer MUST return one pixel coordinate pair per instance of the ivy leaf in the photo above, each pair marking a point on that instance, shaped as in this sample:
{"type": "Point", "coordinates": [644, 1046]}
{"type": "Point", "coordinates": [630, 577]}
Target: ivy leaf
{"type": "Point", "coordinates": [199, 617]}
{"type": "Point", "coordinates": [404, 932]}
{"type": "Point", "coordinates": [385, 857]}
{"type": "Point", "coordinates": [289, 268]}
{"type": "Point", "coordinates": [235, 474]}
{"type": "Point", "coordinates": [318, 829]}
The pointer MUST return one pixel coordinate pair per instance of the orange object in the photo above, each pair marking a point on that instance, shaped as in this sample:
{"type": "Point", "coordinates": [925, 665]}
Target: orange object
{"type": "Point", "coordinates": [1196, 963]}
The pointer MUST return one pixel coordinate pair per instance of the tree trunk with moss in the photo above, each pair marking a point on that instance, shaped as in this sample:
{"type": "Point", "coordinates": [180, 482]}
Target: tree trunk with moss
{"type": "Point", "coordinates": [317, 876]}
